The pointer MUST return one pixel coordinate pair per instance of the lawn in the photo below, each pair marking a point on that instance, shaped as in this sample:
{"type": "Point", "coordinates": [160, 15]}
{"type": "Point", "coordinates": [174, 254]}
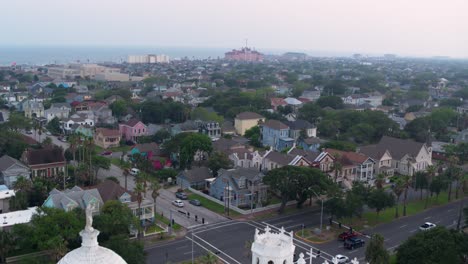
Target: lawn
{"type": "Point", "coordinates": [325, 236]}
{"type": "Point", "coordinates": [153, 229]}
{"type": "Point", "coordinates": [388, 215]}
{"type": "Point", "coordinates": [123, 148]}
{"type": "Point", "coordinates": [210, 205]}
{"type": "Point", "coordinates": [166, 221]}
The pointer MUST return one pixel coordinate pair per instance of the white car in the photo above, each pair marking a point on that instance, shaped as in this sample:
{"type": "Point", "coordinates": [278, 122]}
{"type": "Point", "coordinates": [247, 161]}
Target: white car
{"type": "Point", "coordinates": [178, 203]}
{"type": "Point", "coordinates": [342, 258]}
{"type": "Point", "coordinates": [48, 133]}
{"type": "Point", "coordinates": [134, 171]}
{"type": "Point", "coordinates": [427, 226]}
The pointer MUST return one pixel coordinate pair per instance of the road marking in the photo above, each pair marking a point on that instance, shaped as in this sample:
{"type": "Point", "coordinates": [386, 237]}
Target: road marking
{"type": "Point", "coordinates": [213, 228]}
{"type": "Point", "coordinates": [436, 222]}
{"type": "Point", "coordinates": [190, 252]}
{"type": "Point", "coordinates": [182, 247]}
{"type": "Point", "coordinates": [414, 230]}
{"type": "Point", "coordinates": [284, 222]}
{"type": "Point", "coordinates": [403, 226]}
{"type": "Point", "coordinates": [165, 244]}
{"type": "Point", "coordinates": [353, 251]}
{"type": "Point", "coordinates": [217, 249]}
{"type": "Point", "coordinates": [207, 250]}
{"type": "Point", "coordinates": [387, 239]}
{"type": "Point", "coordinates": [449, 210]}
{"type": "Point", "coordinates": [288, 227]}
{"type": "Point", "coordinates": [429, 217]}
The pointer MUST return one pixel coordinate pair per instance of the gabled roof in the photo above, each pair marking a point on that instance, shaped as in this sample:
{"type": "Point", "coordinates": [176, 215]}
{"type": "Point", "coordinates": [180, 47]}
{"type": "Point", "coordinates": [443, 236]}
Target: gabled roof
{"type": "Point", "coordinates": [132, 122]}
{"type": "Point", "coordinates": [44, 156]}
{"type": "Point", "coordinates": [248, 115]}
{"type": "Point", "coordinates": [280, 158]}
{"type": "Point", "coordinates": [6, 162]}
{"type": "Point", "coordinates": [397, 148]}
{"type": "Point", "coordinates": [275, 124]}
{"type": "Point", "coordinates": [299, 124]}
{"type": "Point", "coordinates": [196, 174]}
{"type": "Point", "coordinates": [75, 196]}
{"type": "Point", "coordinates": [348, 157]}
{"type": "Point", "coordinates": [108, 132]}
{"type": "Point", "coordinates": [110, 190]}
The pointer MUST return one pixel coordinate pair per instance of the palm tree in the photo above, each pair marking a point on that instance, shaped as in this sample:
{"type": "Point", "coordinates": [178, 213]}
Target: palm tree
{"type": "Point", "coordinates": [155, 187]}
{"type": "Point", "coordinates": [463, 187]}
{"type": "Point", "coordinates": [144, 178]}
{"type": "Point", "coordinates": [398, 189]}
{"type": "Point", "coordinates": [126, 172]}
{"type": "Point", "coordinates": [337, 167]}
{"type": "Point", "coordinates": [379, 180]}
{"type": "Point", "coordinates": [138, 191]}
{"type": "Point", "coordinates": [406, 185]}
{"type": "Point", "coordinates": [451, 171]}
{"type": "Point", "coordinates": [430, 173]}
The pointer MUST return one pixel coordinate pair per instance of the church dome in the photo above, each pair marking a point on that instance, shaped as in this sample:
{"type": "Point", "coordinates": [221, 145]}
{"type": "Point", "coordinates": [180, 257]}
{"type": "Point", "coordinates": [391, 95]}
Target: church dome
{"type": "Point", "coordinates": [90, 251]}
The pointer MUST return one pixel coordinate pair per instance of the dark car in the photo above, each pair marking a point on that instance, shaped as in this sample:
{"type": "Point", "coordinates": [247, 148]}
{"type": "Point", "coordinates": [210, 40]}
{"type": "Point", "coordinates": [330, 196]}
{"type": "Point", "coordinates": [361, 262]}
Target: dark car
{"type": "Point", "coordinates": [353, 243]}
{"type": "Point", "coordinates": [106, 153]}
{"type": "Point", "coordinates": [195, 202]}
{"type": "Point", "coordinates": [346, 235]}
{"type": "Point", "coordinates": [181, 195]}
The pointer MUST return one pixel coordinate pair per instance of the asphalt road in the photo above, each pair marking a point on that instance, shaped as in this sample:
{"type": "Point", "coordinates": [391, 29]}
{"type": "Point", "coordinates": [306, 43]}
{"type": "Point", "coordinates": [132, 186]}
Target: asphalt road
{"type": "Point", "coordinates": [164, 202]}
{"type": "Point", "coordinates": [40, 138]}
{"type": "Point", "coordinates": [228, 239]}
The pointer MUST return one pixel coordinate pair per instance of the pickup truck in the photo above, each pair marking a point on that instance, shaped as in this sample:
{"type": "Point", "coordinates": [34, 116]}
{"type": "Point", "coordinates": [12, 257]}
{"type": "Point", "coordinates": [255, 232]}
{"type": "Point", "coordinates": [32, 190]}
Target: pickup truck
{"type": "Point", "coordinates": [346, 235]}
{"type": "Point", "coordinates": [353, 243]}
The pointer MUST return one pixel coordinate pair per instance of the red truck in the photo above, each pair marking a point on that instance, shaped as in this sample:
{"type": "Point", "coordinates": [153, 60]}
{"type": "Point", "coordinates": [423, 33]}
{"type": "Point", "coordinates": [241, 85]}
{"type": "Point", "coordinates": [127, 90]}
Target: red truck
{"type": "Point", "coordinates": [347, 235]}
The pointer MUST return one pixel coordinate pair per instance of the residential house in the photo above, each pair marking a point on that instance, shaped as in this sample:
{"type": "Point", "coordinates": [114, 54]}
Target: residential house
{"type": "Point", "coordinates": [188, 126]}
{"type": "Point", "coordinates": [11, 169]}
{"type": "Point", "coordinates": [48, 162]}
{"type": "Point", "coordinates": [59, 110]}
{"type": "Point", "coordinates": [274, 133]}
{"type": "Point", "coordinates": [110, 190]}
{"type": "Point", "coordinates": [226, 146]}
{"type": "Point", "coordinates": [33, 109]}
{"type": "Point", "coordinates": [83, 130]}
{"type": "Point", "coordinates": [296, 127]}
{"type": "Point", "coordinates": [273, 160]}
{"type": "Point", "coordinates": [11, 219]}
{"type": "Point", "coordinates": [246, 120]}
{"type": "Point", "coordinates": [194, 178]}
{"type": "Point", "coordinates": [247, 158]}
{"type": "Point", "coordinates": [5, 196]}
{"type": "Point", "coordinates": [227, 128]}
{"type": "Point", "coordinates": [75, 197]}
{"type": "Point", "coordinates": [402, 156]}
{"type": "Point", "coordinates": [132, 130]}
{"type": "Point", "coordinates": [311, 144]}
{"type": "Point", "coordinates": [463, 109]}
{"type": "Point", "coordinates": [70, 124]}
{"type": "Point", "coordinates": [461, 137]}
{"type": "Point", "coordinates": [211, 129]}
{"type": "Point", "coordinates": [239, 187]}
{"type": "Point", "coordinates": [311, 95]}
{"type": "Point", "coordinates": [355, 167]}
{"type": "Point", "coordinates": [107, 138]}
{"type": "Point", "coordinates": [81, 89]}
{"type": "Point", "coordinates": [275, 102]}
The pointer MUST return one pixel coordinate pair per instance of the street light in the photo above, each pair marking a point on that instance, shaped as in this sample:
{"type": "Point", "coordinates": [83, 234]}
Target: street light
{"type": "Point", "coordinates": [321, 213]}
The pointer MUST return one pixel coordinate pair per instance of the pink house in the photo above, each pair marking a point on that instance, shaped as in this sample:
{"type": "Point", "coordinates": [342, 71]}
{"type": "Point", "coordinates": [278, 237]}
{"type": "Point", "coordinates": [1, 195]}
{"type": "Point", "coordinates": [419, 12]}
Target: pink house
{"type": "Point", "coordinates": [132, 129]}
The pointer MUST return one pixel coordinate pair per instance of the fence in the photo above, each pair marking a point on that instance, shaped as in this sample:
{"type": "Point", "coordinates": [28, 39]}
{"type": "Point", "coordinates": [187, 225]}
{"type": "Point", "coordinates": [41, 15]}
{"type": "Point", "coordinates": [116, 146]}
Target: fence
{"type": "Point", "coordinates": [237, 209]}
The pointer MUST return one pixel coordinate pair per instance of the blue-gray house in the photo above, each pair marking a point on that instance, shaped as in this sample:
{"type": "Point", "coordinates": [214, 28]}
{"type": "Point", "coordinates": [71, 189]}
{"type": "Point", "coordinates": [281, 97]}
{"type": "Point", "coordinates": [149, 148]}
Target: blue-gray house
{"type": "Point", "coordinates": [241, 187]}
{"type": "Point", "coordinates": [276, 134]}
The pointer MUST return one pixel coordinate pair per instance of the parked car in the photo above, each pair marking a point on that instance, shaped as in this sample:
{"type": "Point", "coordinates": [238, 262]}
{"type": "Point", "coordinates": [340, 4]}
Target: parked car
{"type": "Point", "coordinates": [353, 243]}
{"type": "Point", "coordinates": [342, 258]}
{"type": "Point", "coordinates": [29, 132]}
{"type": "Point", "coordinates": [181, 195]}
{"type": "Point", "coordinates": [106, 153]}
{"type": "Point", "coordinates": [195, 202]}
{"type": "Point", "coordinates": [63, 139]}
{"type": "Point", "coordinates": [134, 171]}
{"type": "Point", "coordinates": [427, 226]}
{"type": "Point", "coordinates": [346, 235]}
{"type": "Point", "coordinates": [178, 203]}
{"type": "Point", "coordinates": [48, 133]}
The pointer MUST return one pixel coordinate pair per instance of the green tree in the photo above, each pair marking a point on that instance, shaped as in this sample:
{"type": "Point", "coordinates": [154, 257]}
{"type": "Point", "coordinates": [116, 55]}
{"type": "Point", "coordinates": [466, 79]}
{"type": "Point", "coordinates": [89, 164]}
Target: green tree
{"type": "Point", "coordinates": [218, 160]}
{"type": "Point", "coordinates": [334, 102]}
{"type": "Point", "coordinates": [376, 252]}
{"type": "Point", "coordinates": [17, 121]}
{"type": "Point", "coordinates": [155, 187]}
{"type": "Point", "coordinates": [99, 162]}
{"type": "Point", "coordinates": [54, 125]}
{"type": "Point", "coordinates": [161, 135]}
{"type": "Point", "coordinates": [310, 112]}
{"type": "Point", "coordinates": [297, 183]}
{"type": "Point", "coordinates": [339, 145]}
{"type": "Point", "coordinates": [191, 144]}
{"type": "Point", "coordinates": [114, 219]}
{"type": "Point", "coordinates": [379, 199]}
{"type": "Point", "coordinates": [130, 250]}
{"type": "Point", "coordinates": [6, 245]}
{"type": "Point", "coordinates": [119, 108]}
{"type": "Point", "coordinates": [420, 182]}
{"type": "Point", "coordinates": [406, 185]}
{"type": "Point", "coordinates": [430, 173]}
{"type": "Point", "coordinates": [398, 188]}
{"type": "Point", "coordinates": [438, 245]}
{"type": "Point", "coordinates": [253, 134]}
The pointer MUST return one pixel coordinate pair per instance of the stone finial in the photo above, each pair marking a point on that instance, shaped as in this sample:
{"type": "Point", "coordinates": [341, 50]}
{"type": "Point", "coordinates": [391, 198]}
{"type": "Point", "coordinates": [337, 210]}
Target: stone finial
{"type": "Point", "coordinates": [354, 261]}
{"type": "Point", "coordinates": [282, 230]}
{"type": "Point", "coordinates": [89, 217]}
{"type": "Point", "coordinates": [267, 229]}
{"type": "Point", "coordinates": [301, 259]}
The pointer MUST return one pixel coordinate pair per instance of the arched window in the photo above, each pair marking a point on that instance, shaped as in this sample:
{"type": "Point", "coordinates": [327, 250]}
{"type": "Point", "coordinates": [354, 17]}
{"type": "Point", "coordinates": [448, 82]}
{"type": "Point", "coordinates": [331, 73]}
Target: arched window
{"type": "Point", "coordinates": [270, 262]}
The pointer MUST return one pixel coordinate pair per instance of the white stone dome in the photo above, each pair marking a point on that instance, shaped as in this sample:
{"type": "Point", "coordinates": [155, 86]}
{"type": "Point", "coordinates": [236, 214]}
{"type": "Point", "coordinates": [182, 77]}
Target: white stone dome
{"type": "Point", "coordinates": [90, 252]}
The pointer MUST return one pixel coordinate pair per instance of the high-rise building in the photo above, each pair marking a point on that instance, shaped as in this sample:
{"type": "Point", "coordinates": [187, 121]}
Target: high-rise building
{"type": "Point", "coordinates": [245, 54]}
{"type": "Point", "coordinates": [149, 58]}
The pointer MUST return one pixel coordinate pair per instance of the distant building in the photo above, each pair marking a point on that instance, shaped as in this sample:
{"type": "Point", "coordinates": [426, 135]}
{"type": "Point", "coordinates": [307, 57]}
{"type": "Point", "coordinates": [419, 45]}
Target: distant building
{"type": "Point", "coordinates": [246, 120]}
{"type": "Point", "coordinates": [294, 56]}
{"type": "Point", "coordinates": [149, 58]}
{"type": "Point", "coordinates": [245, 54]}
{"type": "Point", "coordinates": [49, 162]}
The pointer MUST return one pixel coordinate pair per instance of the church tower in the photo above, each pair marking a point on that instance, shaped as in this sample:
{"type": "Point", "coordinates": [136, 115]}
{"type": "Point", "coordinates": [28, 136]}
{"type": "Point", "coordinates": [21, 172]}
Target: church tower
{"type": "Point", "coordinates": [272, 247]}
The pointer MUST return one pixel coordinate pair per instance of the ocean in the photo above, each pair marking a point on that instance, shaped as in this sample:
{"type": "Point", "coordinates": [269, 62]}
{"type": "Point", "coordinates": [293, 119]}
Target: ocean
{"type": "Point", "coordinates": [41, 55]}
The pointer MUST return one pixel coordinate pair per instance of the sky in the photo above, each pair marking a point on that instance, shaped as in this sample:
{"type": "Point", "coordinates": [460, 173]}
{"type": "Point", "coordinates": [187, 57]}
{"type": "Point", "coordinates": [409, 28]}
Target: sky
{"type": "Point", "coordinates": [403, 27]}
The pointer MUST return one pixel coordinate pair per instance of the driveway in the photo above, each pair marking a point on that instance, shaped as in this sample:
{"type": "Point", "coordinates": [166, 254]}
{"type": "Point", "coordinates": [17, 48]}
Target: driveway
{"type": "Point", "coordinates": [41, 138]}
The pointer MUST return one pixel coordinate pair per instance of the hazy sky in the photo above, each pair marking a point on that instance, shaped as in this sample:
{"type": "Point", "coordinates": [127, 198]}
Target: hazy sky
{"type": "Point", "coordinates": [406, 27]}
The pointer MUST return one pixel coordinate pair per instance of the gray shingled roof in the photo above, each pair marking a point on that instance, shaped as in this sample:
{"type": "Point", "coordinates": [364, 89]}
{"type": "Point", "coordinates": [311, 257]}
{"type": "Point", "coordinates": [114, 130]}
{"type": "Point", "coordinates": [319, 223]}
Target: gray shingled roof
{"type": "Point", "coordinates": [7, 161]}
{"type": "Point", "coordinates": [398, 148]}
{"type": "Point", "coordinates": [75, 195]}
